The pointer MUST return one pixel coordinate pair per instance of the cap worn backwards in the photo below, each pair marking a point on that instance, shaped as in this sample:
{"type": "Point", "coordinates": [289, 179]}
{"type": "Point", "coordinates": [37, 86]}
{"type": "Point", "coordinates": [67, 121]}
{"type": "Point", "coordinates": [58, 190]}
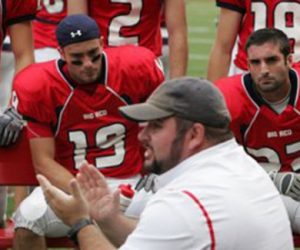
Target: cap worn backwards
{"type": "Point", "coordinates": [189, 98]}
{"type": "Point", "coordinates": [76, 28]}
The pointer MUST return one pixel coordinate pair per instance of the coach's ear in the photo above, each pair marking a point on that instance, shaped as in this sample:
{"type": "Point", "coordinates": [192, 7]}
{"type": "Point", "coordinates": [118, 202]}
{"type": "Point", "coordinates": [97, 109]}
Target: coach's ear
{"type": "Point", "coordinates": [195, 137]}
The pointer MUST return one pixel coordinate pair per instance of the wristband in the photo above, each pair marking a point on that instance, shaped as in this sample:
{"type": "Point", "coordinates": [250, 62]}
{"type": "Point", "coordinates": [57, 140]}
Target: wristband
{"type": "Point", "coordinates": [81, 223]}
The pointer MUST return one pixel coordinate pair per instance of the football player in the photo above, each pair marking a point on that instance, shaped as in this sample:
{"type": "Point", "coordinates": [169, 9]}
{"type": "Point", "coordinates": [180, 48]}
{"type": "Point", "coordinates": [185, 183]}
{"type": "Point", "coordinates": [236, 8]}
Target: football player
{"type": "Point", "coordinates": [264, 106]}
{"type": "Point", "coordinates": [71, 106]}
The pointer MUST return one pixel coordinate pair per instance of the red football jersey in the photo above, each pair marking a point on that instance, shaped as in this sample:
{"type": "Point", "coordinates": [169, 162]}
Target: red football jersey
{"type": "Point", "coordinates": [50, 14]}
{"type": "Point", "coordinates": [283, 15]}
{"type": "Point", "coordinates": [86, 122]}
{"type": "Point", "coordinates": [129, 22]}
{"type": "Point", "coordinates": [266, 135]}
{"type": "Point", "coordinates": [15, 11]}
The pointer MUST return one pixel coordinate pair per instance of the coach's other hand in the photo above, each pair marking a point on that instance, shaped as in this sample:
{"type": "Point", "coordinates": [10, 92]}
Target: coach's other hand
{"type": "Point", "coordinates": [104, 204]}
{"type": "Point", "coordinates": [70, 208]}
{"type": "Point", "coordinates": [288, 183]}
{"type": "Point", "coordinates": [11, 124]}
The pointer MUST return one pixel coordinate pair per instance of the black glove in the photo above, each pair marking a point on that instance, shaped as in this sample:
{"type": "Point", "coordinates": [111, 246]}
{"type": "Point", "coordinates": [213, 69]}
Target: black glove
{"type": "Point", "coordinates": [288, 183]}
{"type": "Point", "coordinates": [11, 124]}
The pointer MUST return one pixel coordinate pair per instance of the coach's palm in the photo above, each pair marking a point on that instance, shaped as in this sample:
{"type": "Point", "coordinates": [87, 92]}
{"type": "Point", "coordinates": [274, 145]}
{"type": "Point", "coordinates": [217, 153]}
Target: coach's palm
{"type": "Point", "coordinates": [103, 204]}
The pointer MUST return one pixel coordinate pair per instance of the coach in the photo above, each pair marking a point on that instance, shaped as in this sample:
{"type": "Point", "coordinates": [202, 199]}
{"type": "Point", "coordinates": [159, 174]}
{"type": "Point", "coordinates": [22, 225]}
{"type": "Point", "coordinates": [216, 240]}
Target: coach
{"type": "Point", "coordinates": [211, 194]}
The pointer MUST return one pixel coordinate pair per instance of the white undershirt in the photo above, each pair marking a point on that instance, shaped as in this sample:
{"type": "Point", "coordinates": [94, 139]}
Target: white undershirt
{"type": "Point", "coordinates": [278, 107]}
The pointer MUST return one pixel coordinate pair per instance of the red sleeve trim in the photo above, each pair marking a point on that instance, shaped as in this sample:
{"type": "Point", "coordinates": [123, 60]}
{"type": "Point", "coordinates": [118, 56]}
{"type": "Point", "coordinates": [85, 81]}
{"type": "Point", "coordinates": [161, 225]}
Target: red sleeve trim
{"type": "Point", "coordinates": [206, 215]}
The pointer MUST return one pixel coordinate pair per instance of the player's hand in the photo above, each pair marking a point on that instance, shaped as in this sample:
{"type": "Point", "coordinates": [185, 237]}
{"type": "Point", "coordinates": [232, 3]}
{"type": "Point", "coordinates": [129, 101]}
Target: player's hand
{"type": "Point", "coordinates": [11, 124]}
{"type": "Point", "coordinates": [288, 183]}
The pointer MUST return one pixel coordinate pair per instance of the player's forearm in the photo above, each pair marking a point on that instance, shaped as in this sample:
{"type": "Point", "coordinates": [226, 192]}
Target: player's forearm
{"type": "Point", "coordinates": [22, 48]}
{"type": "Point", "coordinates": [176, 23]}
{"type": "Point", "coordinates": [118, 228]}
{"type": "Point", "coordinates": [178, 56]}
{"type": "Point", "coordinates": [226, 35]}
{"type": "Point", "coordinates": [77, 7]}
{"type": "Point", "coordinates": [218, 65]}
{"type": "Point", "coordinates": [43, 157]}
{"type": "Point", "coordinates": [55, 173]}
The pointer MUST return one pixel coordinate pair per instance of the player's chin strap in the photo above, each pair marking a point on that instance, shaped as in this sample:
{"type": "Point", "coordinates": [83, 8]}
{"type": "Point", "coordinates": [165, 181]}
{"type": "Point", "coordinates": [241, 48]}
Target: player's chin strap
{"type": "Point", "coordinates": [288, 183]}
{"type": "Point", "coordinates": [148, 183]}
{"type": "Point", "coordinates": [11, 124]}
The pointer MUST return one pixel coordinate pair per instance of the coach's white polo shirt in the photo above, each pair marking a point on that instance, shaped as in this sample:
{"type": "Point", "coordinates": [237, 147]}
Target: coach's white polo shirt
{"type": "Point", "coordinates": [219, 198]}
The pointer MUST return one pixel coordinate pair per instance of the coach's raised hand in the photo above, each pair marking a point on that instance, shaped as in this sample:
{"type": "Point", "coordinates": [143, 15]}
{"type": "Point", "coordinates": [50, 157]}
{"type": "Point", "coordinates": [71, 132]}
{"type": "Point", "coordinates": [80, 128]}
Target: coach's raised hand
{"type": "Point", "coordinates": [69, 207]}
{"type": "Point", "coordinates": [103, 203]}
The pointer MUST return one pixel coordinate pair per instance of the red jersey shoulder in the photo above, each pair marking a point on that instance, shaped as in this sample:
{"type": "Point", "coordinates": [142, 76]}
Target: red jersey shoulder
{"type": "Point", "coordinates": [19, 10]}
{"type": "Point", "coordinates": [36, 77]}
{"type": "Point", "coordinates": [240, 104]}
{"type": "Point", "coordinates": [130, 55]}
{"type": "Point", "coordinates": [133, 70]}
{"type": "Point", "coordinates": [39, 88]}
{"type": "Point", "coordinates": [234, 92]}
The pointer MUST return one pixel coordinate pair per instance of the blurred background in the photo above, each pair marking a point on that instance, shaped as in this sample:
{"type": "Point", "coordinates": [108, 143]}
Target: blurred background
{"type": "Point", "coordinates": [201, 16]}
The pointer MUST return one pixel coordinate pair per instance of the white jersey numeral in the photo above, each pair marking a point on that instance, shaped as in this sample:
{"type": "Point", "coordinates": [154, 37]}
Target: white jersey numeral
{"type": "Point", "coordinates": [131, 19]}
{"type": "Point", "coordinates": [281, 12]}
{"type": "Point", "coordinates": [80, 141]}
{"type": "Point", "coordinates": [105, 137]}
{"type": "Point", "coordinates": [273, 157]}
{"type": "Point", "coordinates": [260, 15]}
{"type": "Point", "coordinates": [53, 7]}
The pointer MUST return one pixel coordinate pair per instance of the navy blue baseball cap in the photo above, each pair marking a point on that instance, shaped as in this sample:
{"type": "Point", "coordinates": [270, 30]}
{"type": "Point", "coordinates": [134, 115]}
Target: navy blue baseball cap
{"type": "Point", "coordinates": [76, 28]}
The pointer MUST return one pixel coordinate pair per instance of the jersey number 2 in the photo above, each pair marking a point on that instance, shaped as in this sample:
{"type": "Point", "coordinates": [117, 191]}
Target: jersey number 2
{"type": "Point", "coordinates": [129, 20]}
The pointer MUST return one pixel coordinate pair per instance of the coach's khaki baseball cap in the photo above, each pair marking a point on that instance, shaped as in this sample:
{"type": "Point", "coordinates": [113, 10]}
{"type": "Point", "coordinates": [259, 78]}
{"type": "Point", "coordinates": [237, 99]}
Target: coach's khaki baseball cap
{"type": "Point", "coordinates": [189, 98]}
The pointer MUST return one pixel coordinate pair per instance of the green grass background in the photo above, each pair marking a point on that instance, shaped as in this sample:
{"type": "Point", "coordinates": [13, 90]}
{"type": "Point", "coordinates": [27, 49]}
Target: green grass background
{"type": "Point", "coordinates": [201, 16]}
